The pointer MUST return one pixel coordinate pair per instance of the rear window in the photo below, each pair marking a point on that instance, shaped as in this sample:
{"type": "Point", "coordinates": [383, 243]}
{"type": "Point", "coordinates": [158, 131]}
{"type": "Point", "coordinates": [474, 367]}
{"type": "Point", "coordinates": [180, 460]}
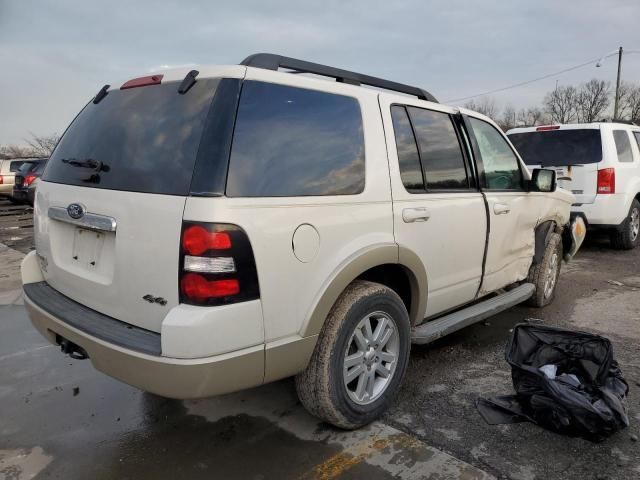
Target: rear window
{"type": "Point", "coordinates": [15, 166]}
{"type": "Point", "coordinates": [559, 147]}
{"type": "Point", "coordinates": [142, 139]}
{"type": "Point", "coordinates": [27, 167]}
{"type": "Point", "coordinates": [440, 150]}
{"type": "Point", "coordinates": [295, 142]}
{"type": "Point", "coordinates": [623, 146]}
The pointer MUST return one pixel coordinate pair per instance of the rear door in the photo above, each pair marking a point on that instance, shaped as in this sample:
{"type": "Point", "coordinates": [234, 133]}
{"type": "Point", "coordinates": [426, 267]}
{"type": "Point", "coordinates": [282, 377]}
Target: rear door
{"type": "Point", "coordinates": [438, 212]}
{"type": "Point", "coordinates": [513, 211]}
{"type": "Point", "coordinates": [628, 164]}
{"type": "Point", "coordinates": [110, 204]}
{"type": "Point", "coordinates": [574, 152]}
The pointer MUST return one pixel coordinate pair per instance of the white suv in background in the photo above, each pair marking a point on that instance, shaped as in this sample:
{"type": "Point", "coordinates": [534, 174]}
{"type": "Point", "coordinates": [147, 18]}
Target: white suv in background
{"type": "Point", "coordinates": [199, 232]}
{"type": "Point", "coordinates": [600, 164]}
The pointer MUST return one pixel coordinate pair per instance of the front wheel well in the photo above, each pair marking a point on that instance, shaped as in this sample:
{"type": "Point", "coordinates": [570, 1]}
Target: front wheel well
{"type": "Point", "coordinates": [397, 277]}
{"type": "Point", "coordinates": [542, 233]}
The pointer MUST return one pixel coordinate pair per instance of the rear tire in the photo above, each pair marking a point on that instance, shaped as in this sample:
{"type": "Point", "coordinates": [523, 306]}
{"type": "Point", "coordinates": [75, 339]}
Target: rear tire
{"type": "Point", "coordinates": [628, 236]}
{"type": "Point", "coordinates": [544, 275]}
{"type": "Point", "coordinates": [355, 370]}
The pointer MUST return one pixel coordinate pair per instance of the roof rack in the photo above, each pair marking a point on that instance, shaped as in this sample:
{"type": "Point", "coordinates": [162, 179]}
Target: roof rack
{"type": "Point", "coordinates": [270, 61]}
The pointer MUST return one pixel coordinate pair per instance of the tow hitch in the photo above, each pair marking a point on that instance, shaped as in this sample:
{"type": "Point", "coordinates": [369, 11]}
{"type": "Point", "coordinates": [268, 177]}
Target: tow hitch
{"type": "Point", "coordinates": [74, 351]}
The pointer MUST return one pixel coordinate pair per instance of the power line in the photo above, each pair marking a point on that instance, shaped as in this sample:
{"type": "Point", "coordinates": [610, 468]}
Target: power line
{"type": "Point", "coordinates": [575, 67]}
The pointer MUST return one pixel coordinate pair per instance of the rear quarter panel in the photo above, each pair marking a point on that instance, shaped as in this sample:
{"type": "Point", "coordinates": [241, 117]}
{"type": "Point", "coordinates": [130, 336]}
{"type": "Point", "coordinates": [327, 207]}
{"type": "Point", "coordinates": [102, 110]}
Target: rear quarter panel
{"type": "Point", "coordinates": [346, 225]}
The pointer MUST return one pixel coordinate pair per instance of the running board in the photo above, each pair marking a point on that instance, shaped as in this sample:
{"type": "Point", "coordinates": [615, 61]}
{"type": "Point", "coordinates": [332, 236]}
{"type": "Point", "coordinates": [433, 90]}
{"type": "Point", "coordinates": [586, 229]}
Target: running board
{"type": "Point", "coordinates": [434, 329]}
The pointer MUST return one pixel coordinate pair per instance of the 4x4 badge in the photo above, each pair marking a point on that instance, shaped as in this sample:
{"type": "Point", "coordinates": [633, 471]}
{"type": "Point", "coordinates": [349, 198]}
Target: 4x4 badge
{"type": "Point", "coordinates": [75, 210]}
{"type": "Point", "coordinates": [151, 299]}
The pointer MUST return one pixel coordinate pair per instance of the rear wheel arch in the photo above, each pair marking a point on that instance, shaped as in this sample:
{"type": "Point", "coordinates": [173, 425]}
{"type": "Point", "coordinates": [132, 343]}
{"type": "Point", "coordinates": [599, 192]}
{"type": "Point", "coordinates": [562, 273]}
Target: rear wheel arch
{"type": "Point", "coordinates": [404, 274]}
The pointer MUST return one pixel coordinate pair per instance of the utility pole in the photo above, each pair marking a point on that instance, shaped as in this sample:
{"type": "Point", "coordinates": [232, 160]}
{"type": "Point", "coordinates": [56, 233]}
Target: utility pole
{"type": "Point", "coordinates": [617, 99]}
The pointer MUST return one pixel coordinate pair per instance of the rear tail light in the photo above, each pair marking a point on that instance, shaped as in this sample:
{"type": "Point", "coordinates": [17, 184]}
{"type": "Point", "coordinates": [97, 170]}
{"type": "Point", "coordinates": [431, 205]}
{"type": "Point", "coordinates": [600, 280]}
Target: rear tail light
{"type": "Point", "coordinates": [142, 82]}
{"type": "Point", "coordinates": [1, 180]}
{"type": "Point", "coordinates": [217, 266]}
{"type": "Point", "coordinates": [198, 288]}
{"type": "Point", "coordinates": [197, 239]}
{"type": "Point", "coordinates": [546, 128]}
{"type": "Point", "coordinates": [607, 180]}
{"type": "Point", "coordinates": [28, 180]}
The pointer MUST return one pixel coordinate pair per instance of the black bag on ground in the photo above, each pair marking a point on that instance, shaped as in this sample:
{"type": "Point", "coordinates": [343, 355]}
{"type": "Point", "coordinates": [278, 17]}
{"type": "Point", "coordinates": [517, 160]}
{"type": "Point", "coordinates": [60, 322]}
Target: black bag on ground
{"type": "Point", "coordinates": [581, 394]}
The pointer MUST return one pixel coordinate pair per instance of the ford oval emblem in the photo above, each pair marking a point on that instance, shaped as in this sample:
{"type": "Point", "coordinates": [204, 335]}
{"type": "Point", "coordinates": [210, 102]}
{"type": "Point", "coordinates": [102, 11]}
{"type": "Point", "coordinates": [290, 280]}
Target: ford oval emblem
{"type": "Point", "coordinates": [75, 210]}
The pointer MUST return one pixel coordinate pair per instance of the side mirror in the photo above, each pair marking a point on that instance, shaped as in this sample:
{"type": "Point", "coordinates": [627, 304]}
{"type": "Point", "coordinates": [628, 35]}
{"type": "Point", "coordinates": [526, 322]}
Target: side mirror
{"type": "Point", "coordinates": [543, 180]}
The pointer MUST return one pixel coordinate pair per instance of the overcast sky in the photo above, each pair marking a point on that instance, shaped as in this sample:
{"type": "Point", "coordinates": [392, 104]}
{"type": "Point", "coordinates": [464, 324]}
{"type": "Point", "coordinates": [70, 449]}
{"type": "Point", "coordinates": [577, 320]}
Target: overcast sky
{"type": "Point", "coordinates": [56, 54]}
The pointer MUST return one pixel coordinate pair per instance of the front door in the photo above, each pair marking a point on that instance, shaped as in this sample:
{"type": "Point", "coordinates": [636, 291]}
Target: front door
{"type": "Point", "coordinates": [513, 212]}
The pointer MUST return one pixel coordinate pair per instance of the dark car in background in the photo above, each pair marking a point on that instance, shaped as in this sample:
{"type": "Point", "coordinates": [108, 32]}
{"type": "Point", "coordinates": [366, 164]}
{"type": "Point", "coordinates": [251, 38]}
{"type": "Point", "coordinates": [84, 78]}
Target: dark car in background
{"type": "Point", "coordinates": [26, 179]}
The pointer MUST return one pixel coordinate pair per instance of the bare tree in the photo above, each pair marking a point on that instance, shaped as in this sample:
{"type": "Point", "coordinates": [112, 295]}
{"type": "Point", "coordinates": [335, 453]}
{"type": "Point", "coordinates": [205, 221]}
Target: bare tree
{"type": "Point", "coordinates": [592, 100]}
{"type": "Point", "coordinates": [630, 101]}
{"type": "Point", "coordinates": [485, 105]}
{"type": "Point", "coordinates": [8, 152]}
{"type": "Point", "coordinates": [37, 146]}
{"type": "Point", "coordinates": [42, 146]}
{"type": "Point", "coordinates": [561, 104]}
{"type": "Point", "coordinates": [534, 116]}
{"type": "Point", "coordinates": [508, 118]}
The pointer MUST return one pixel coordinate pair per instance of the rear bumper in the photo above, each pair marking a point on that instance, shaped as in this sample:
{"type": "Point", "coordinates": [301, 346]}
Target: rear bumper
{"type": "Point", "coordinates": [168, 377]}
{"type": "Point", "coordinates": [6, 189]}
{"type": "Point", "coordinates": [20, 195]}
{"type": "Point", "coordinates": [605, 212]}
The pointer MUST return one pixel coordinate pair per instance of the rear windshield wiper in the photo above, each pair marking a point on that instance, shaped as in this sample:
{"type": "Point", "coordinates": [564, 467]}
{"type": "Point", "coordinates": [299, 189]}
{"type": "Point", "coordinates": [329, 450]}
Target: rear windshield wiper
{"type": "Point", "coordinates": [88, 163]}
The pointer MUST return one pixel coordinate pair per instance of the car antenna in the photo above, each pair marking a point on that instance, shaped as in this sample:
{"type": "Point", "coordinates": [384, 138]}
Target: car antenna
{"type": "Point", "coordinates": [101, 94]}
{"type": "Point", "coordinates": [188, 82]}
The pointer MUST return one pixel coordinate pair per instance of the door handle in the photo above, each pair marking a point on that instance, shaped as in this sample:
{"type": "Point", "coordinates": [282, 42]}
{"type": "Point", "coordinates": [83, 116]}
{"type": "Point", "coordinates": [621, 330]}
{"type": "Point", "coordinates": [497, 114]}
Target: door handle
{"type": "Point", "coordinates": [501, 208]}
{"type": "Point", "coordinates": [410, 215]}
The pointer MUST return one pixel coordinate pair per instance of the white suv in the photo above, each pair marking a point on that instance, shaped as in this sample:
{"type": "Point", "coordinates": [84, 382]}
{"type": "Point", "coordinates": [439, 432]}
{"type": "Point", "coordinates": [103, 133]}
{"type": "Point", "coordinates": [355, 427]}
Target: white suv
{"type": "Point", "coordinates": [200, 232]}
{"type": "Point", "coordinates": [600, 164]}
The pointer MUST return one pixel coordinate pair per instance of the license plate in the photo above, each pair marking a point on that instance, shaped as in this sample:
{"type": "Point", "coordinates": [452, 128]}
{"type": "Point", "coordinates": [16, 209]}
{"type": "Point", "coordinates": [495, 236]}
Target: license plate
{"type": "Point", "coordinates": [87, 246]}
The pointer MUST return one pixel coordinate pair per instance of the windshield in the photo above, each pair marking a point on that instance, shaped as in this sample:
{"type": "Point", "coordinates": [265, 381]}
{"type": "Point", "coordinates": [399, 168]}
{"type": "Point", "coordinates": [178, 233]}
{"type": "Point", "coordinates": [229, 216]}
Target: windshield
{"type": "Point", "coordinates": [559, 147]}
{"type": "Point", "coordinates": [141, 139]}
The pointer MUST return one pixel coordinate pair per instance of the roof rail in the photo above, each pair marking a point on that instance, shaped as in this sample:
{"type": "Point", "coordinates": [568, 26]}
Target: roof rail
{"type": "Point", "coordinates": [270, 61]}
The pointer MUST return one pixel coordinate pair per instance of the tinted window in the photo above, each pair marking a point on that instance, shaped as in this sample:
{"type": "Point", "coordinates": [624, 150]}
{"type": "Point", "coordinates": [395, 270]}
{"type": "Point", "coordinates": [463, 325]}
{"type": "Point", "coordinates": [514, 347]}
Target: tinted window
{"type": "Point", "coordinates": [142, 139]}
{"type": "Point", "coordinates": [623, 145]}
{"type": "Point", "coordinates": [500, 165]}
{"type": "Point", "coordinates": [559, 148]}
{"type": "Point", "coordinates": [27, 167]}
{"type": "Point", "coordinates": [637, 137]}
{"type": "Point", "coordinates": [15, 166]}
{"type": "Point", "coordinates": [440, 150]}
{"type": "Point", "coordinates": [295, 142]}
{"type": "Point", "coordinates": [408, 158]}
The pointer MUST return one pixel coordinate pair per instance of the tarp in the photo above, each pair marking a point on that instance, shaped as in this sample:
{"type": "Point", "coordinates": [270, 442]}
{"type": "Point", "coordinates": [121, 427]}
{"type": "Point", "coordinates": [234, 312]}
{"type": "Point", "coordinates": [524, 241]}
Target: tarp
{"type": "Point", "coordinates": [565, 381]}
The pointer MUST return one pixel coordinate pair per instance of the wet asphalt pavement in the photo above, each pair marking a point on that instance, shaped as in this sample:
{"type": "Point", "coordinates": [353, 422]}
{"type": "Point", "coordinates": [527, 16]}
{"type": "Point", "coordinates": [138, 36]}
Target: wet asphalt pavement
{"type": "Point", "coordinates": [599, 291]}
{"type": "Point", "coordinates": [59, 418]}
